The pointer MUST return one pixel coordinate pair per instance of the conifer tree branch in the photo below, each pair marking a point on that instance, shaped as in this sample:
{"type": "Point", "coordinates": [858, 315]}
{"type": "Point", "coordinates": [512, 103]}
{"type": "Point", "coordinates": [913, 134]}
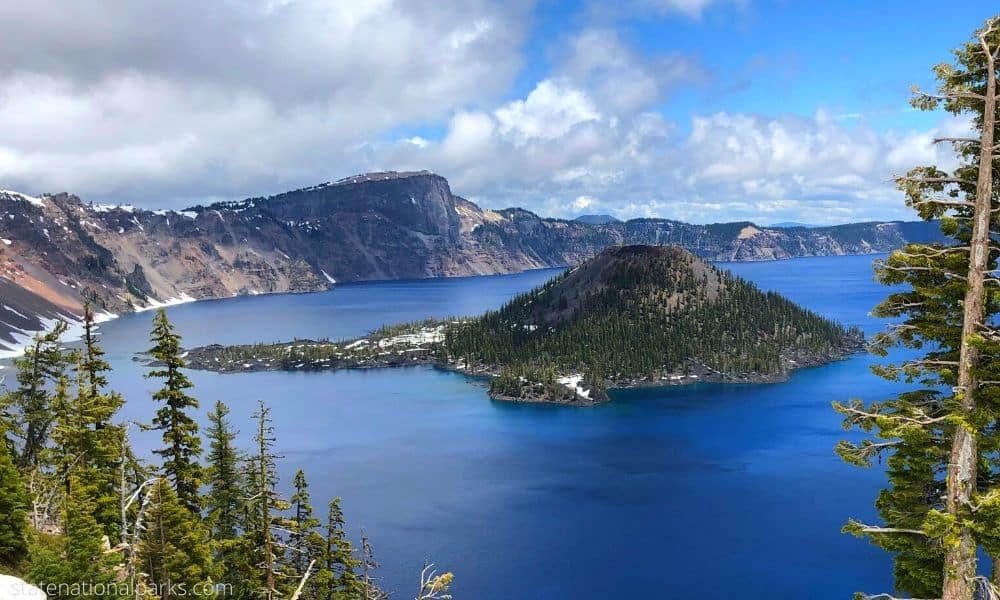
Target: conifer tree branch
{"type": "Point", "coordinates": [875, 529]}
{"type": "Point", "coordinates": [889, 597]}
{"type": "Point", "coordinates": [929, 252]}
{"type": "Point", "coordinates": [958, 95]}
{"type": "Point", "coordinates": [944, 180]}
{"type": "Point", "coordinates": [920, 420]}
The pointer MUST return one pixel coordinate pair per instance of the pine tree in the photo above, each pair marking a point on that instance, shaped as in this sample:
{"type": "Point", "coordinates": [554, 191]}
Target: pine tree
{"type": "Point", "coordinates": [182, 446]}
{"type": "Point", "coordinates": [42, 364]}
{"type": "Point", "coordinates": [83, 558]}
{"type": "Point", "coordinates": [93, 368]}
{"type": "Point", "coordinates": [263, 508]}
{"type": "Point", "coordinates": [93, 410]}
{"type": "Point", "coordinates": [304, 539]}
{"type": "Point", "coordinates": [339, 577]}
{"type": "Point", "coordinates": [224, 477]}
{"type": "Point", "coordinates": [225, 503]}
{"type": "Point", "coordinates": [174, 550]}
{"type": "Point", "coordinates": [67, 426]}
{"type": "Point", "coordinates": [949, 423]}
{"type": "Point", "coordinates": [13, 502]}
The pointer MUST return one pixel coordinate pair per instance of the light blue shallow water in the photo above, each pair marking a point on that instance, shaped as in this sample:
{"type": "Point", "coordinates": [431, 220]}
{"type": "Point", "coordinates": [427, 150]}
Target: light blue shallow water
{"type": "Point", "coordinates": [705, 491]}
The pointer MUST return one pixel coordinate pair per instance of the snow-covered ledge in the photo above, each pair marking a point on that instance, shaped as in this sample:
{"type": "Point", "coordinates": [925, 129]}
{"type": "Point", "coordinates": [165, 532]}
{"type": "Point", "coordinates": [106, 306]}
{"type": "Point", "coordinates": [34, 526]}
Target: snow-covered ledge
{"type": "Point", "coordinates": [12, 588]}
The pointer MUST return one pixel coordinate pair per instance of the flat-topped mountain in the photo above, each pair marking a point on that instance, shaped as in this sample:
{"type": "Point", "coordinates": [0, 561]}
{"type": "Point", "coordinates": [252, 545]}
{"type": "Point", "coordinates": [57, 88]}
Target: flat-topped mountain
{"type": "Point", "coordinates": [596, 219]}
{"type": "Point", "coordinates": [631, 316]}
{"type": "Point", "coordinates": [58, 251]}
{"type": "Point", "coordinates": [643, 315]}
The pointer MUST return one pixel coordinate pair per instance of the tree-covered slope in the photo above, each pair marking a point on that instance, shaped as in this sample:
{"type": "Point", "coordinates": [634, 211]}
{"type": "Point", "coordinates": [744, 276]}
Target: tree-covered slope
{"type": "Point", "coordinates": [637, 314]}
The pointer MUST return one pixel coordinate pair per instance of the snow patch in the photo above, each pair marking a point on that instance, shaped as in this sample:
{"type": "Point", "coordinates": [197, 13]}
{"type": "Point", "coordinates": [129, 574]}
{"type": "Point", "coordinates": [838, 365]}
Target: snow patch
{"type": "Point", "coordinates": [573, 383]}
{"type": "Point", "coordinates": [154, 303]}
{"type": "Point", "coordinates": [30, 199]}
{"type": "Point", "coordinates": [6, 242]}
{"type": "Point", "coordinates": [110, 207]}
{"type": "Point", "coordinates": [327, 275]}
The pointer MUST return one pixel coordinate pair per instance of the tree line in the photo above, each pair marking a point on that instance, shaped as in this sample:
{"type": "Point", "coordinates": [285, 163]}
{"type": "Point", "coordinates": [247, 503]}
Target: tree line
{"type": "Point", "coordinates": [84, 517]}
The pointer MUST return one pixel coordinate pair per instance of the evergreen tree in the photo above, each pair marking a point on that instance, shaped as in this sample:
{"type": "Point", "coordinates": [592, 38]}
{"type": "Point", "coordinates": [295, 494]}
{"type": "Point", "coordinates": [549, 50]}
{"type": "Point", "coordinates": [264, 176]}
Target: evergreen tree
{"type": "Point", "coordinates": [93, 368]}
{"type": "Point", "coordinates": [943, 501]}
{"type": "Point", "coordinates": [13, 502]}
{"type": "Point", "coordinates": [339, 578]}
{"type": "Point", "coordinates": [182, 446]}
{"type": "Point", "coordinates": [80, 560]}
{"type": "Point", "coordinates": [225, 498]}
{"type": "Point", "coordinates": [68, 430]}
{"type": "Point", "coordinates": [304, 541]}
{"type": "Point", "coordinates": [42, 364]}
{"type": "Point", "coordinates": [264, 506]}
{"type": "Point", "coordinates": [225, 493]}
{"type": "Point", "coordinates": [100, 447]}
{"type": "Point", "coordinates": [174, 550]}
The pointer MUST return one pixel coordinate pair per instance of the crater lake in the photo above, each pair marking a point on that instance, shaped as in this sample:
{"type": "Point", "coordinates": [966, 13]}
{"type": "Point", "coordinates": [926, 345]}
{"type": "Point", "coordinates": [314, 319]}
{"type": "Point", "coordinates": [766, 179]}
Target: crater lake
{"type": "Point", "coordinates": [706, 490]}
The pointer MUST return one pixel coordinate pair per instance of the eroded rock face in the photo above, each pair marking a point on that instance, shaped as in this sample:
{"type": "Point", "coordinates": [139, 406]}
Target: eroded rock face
{"type": "Point", "coordinates": [58, 251]}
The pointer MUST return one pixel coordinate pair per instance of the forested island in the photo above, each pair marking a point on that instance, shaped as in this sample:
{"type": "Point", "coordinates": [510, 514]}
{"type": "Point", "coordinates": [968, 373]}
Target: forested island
{"type": "Point", "coordinates": [631, 316]}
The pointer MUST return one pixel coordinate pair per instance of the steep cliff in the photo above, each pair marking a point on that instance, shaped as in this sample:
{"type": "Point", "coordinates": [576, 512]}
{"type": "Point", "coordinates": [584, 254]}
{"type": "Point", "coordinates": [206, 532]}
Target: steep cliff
{"type": "Point", "coordinates": [57, 251]}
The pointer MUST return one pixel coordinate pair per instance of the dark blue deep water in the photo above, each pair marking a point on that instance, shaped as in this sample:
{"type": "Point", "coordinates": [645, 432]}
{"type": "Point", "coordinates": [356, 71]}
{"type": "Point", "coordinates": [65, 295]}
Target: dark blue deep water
{"type": "Point", "coordinates": [706, 491]}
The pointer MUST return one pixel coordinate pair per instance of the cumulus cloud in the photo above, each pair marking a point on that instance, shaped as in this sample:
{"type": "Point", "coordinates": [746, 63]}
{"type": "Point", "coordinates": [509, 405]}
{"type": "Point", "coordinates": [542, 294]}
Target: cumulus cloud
{"type": "Point", "coordinates": [186, 99]}
{"type": "Point", "coordinates": [262, 96]}
{"type": "Point", "coordinates": [569, 141]}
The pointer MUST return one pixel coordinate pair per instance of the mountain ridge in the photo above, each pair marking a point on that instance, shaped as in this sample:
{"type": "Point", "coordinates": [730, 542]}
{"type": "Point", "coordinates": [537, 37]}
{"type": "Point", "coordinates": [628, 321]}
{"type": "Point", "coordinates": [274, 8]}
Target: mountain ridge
{"type": "Point", "coordinates": [58, 251]}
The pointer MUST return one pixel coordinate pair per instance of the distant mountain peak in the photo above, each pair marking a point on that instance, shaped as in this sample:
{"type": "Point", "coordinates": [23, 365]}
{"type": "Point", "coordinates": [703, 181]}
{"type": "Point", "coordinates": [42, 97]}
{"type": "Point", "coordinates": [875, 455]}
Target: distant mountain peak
{"type": "Point", "coordinates": [370, 177]}
{"type": "Point", "coordinates": [791, 225]}
{"type": "Point", "coordinates": [596, 219]}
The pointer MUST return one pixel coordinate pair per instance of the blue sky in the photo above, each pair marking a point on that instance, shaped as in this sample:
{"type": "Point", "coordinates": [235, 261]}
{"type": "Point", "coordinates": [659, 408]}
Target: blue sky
{"type": "Point", "coordinates": [699, 110]}
{"type": "Point", "coordinates": [773, 57]}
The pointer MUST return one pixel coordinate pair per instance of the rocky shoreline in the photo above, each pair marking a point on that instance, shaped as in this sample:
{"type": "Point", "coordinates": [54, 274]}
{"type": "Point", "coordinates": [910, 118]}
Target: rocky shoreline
{"type": "Point", "coordinates": [420, 345]}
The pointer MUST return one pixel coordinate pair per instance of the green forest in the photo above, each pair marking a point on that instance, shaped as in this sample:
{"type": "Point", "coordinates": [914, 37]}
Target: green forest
{"type": "Point", "coordinates": [645, 312]}
{"type": "Point", "coordinates": [82, 516]}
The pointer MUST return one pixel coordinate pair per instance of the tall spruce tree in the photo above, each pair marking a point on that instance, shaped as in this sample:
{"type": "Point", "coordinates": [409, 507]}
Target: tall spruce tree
{"type": "Point", "coordinates": [226, 488]}
{"type": "Point", "coordinates": [94, 366]}
{"type": "Point", "coordinates": [182, 446]}
{"type": "Point", "coordinates": [225, 498]}
{"type": "Point", "coordinates": [264, 506]}
{"type": "Point", "coordinates": [42, 364]}
{"type": "Point", "coordinates": [85, 560]}
{"type": "Point", "coordinates": [100, 446]}
{"type": "Point", "coordinates": [175, 550]}
{"type": "Point", "coordinates": [305, 543]}
{"type": "Point", "coordinates": [13, 514]}
{"type": "Point", "coordinates": [942, 435]}
{"type": "Point", "coordinates": [339, 577]}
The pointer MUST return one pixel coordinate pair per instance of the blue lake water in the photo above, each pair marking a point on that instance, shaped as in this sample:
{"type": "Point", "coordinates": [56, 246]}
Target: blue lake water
{"type": "Point", "coordinates": [705, 491]}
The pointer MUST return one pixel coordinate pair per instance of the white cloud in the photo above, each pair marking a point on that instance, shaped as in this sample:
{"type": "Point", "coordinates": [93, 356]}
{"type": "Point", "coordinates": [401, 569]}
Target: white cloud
{"type": "Point", "coordinates": [136, 100]}
{"type": "Point", "coordinates": [690, 8]}
{"type": "Point", "coordinates": [263, 96]}
{"type": "Point", "coordinates": [549, 112]}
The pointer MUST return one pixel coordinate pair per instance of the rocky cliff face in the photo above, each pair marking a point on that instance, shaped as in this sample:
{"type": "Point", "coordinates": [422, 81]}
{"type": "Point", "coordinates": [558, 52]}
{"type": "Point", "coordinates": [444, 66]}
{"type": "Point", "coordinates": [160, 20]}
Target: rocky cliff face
{"type": "Point", "coordinates": [57, 251]}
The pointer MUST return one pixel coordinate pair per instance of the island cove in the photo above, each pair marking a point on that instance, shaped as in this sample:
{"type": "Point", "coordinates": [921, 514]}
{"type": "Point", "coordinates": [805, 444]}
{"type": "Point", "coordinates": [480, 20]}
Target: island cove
{"type": "Point", "coordinates": [631, 316]}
